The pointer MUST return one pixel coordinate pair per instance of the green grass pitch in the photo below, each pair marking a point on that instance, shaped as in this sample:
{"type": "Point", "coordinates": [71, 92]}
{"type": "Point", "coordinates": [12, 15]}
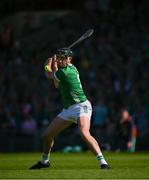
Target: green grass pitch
{"type": "Point", "coordinates": [75, 166]}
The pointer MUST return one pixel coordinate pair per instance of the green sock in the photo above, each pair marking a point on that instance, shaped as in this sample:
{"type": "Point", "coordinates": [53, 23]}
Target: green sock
{"type": "Point", "coordinates": [101, 159]}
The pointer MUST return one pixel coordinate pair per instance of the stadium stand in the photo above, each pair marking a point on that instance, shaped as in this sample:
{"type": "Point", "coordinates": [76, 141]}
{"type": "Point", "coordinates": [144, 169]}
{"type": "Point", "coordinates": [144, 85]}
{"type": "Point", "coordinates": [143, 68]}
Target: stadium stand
{"type": "Point", "coordinates": [114, 69]}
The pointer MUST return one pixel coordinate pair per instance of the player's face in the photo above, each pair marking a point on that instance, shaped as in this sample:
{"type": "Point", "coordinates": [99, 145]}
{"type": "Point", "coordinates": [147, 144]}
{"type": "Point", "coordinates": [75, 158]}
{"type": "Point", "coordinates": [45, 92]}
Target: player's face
{"type": "Point", "coordinates": [63, 62]}
{"type": "Point", "coordinates": [125, 114]}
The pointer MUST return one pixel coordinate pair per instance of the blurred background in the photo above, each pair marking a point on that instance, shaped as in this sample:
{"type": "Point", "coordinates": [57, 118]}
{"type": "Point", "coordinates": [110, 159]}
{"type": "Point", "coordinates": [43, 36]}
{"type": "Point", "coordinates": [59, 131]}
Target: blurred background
{"type": "Point", "coordinates": [113, 65]}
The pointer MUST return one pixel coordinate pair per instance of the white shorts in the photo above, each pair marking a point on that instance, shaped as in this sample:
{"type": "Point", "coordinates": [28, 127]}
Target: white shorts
{"type": "Point", "coordinates": [77, 110]}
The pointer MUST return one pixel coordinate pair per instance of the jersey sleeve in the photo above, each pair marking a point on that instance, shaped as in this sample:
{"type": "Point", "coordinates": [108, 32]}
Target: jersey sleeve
{"type": "Point", "coordinates": [59, 75]}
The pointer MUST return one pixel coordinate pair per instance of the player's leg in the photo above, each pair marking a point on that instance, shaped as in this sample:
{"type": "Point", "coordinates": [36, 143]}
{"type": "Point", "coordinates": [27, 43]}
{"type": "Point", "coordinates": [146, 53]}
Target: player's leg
{"type": "Point", "coordinates": [55, 127]}
{"type": "Point", "coordinates": [84, 126]}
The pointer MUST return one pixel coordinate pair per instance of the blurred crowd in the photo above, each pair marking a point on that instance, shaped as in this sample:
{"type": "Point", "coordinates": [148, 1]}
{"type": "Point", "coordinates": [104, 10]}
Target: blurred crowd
{"type": "Point", "coordinates": [114, 71]}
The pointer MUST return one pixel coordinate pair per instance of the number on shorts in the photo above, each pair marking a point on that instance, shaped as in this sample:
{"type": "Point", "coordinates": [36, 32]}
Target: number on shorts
{"type": "Point", "coordinates": [85, 109]}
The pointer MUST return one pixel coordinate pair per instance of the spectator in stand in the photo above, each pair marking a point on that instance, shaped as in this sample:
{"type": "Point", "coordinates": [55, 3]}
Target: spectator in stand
{"type": "Point", "coordinates": [127, 132]}
{"type": "Point", "coordinates": [99, 120]}
{"type": "Point", "coordinates": [29, 125]}
{"type": "Point", "coordinates": [6, 38]}
{"type": "Point", "coordinates": [100, 113]}
{"type": "Point", "coordinates": [7, 125]}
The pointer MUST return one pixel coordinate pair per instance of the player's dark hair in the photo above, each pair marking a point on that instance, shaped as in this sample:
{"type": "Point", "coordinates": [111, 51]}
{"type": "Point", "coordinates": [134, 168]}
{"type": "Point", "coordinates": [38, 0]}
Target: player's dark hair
{"type": "Point", "coordinates": [64, 53]}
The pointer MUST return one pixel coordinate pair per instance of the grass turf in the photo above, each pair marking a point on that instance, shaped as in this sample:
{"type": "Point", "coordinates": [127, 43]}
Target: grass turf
{"type": "Point", "coordinates": [75, 166]}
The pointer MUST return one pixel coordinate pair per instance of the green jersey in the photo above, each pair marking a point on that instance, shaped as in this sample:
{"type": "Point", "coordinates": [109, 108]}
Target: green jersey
{"type": "Point", "coordinates": [70, 86]}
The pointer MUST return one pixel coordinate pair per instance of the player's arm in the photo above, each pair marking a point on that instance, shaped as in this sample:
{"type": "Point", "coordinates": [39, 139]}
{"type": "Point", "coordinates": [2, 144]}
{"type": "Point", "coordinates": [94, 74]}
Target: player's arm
{"type": "Point", "coordinates": [50, 68]}
{"type": "Point", "coordinates": [55, 69]}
